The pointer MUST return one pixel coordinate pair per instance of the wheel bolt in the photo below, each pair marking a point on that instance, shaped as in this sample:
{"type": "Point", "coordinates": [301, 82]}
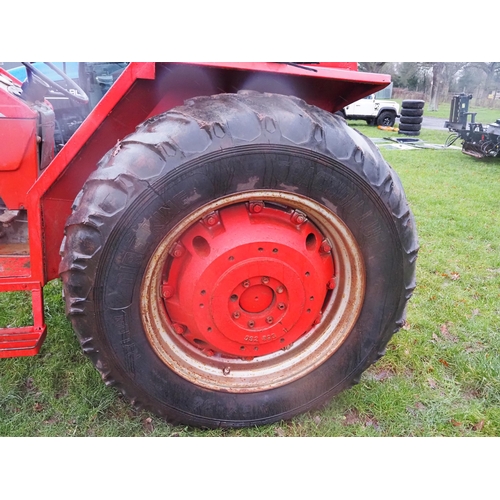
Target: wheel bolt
{"type": "Point", "coordinates": [331, 284]}
{"type": "Point", "coordinates": [167, 291]}
{"type": "Point", "coordinates": [211, 219]}
{"type": "Point", "coordinates": [281, 306]}
{"type": "Point", "coordinates": [251, 324]}
{"type": "Point", "coordinates": [178, 328]}
{"type": "Point", "coordinates": [280, 289]}
{"type": "Point", "coordinates": [226, 370]}
{"type": "Point", "coordinates": [177, 250]}
{"type": "Point", "coordinates": [208, 352]}
{"type": "Point", "coordinates": [246, 283]}
{"type": "Point", "coordinates": [265, 280]}
{"type": "Point", "coordinates": [326, 246]}
{"type": "Point", "coordinates": [255, 207]}
{"type": "Point", "coordinates": [298, 217]}
{"type": "Point", "coordinates": [236, 314]}
{"type": "Point", "coordinates": [269, 319]}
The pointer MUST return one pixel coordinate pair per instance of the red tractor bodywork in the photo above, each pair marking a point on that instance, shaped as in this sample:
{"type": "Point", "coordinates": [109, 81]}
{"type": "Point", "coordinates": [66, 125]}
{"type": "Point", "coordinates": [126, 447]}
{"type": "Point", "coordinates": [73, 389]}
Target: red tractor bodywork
{"type": "Point", "coordinates": [42, 188]}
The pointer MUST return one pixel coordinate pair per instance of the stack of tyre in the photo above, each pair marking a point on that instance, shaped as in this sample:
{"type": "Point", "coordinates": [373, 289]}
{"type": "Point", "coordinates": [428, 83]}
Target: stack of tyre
{"type": "Point", "coordinates": [410, 121]}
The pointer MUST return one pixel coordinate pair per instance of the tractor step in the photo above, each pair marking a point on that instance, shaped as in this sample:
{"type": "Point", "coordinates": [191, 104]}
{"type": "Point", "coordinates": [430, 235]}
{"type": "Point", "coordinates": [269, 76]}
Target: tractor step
{"type": "Point", "coordinates": [24, 341]}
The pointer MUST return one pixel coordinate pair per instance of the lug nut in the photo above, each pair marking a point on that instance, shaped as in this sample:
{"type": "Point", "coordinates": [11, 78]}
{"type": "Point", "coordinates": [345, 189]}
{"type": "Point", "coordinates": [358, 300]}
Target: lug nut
{"type": "Point", "coordinates": [178, 328]}
{"type": "Point", "coordinates": [177, 250]}
{"type": "Point", "coordinates": [265, 280]}
{"type": "Point", "coordinates": [326, 246]}
{"type": "Point", "coordinates": [298, 217]}
{"type": "Point", "coordinates": [280, 289]}
{"type": "Point", "coordinates": [236, 314]}
{"type": "Point", "coordinates": [281, 306]}
{"type": "Point", "coordinates": [167, 291]}
{"type": "Point", "coordinates": [251, 324]}
{"type": "Point", "coordinates": [269, 319]}
{"type": "Point", "coordinates": [331, 284]}
{"type": "Point", "coordinates": [255, 207]}
{"type": "Point", "coordinates": [208, 352]}
{"type": "Point", "coordinates": [246, 283]}
{"type": "Point", "coordinates": [211, 219]}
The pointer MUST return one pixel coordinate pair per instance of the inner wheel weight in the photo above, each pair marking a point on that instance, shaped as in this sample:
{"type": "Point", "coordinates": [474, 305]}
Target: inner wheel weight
{"type": "Point", "coordinates": [247, 280]}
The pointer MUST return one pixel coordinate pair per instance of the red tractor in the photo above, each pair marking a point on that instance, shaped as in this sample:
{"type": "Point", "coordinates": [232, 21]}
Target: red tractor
{"type": "Point", "coordinates": [232, 253]}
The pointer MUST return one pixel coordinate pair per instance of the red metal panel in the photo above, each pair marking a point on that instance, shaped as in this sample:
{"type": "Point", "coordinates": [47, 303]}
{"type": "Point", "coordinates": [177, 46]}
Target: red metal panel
{"type": "Point", "coordinates": [344, 84]}
{"type": "Point", "coordinates": [18, 161]}
{"type": "Point", "coordinates": [15, 266]}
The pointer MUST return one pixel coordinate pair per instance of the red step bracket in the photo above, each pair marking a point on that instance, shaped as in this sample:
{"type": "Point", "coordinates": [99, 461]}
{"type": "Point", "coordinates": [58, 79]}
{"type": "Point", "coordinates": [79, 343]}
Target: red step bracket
{"type": "Point", "coordinates": [27, 340]}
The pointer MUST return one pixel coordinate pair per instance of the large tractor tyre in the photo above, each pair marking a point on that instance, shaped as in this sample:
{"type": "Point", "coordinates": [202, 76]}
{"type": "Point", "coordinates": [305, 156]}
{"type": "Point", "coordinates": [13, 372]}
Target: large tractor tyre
{"type": "Point", "coordinates": [413, 104]}
{"type": "Point", "coordinates": [238, 260]}
{"type": "Point", "coordinates": [386, 119]}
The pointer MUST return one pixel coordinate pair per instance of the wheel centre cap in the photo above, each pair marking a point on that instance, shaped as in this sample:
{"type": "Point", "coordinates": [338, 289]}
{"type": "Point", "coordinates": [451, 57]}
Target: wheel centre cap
{"type": "Point", "coordinates": [256, 299]}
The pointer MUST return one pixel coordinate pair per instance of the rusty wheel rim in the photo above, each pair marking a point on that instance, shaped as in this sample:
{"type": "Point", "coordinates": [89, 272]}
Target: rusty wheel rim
{"type": "Point", "coordinates": [252, 291]}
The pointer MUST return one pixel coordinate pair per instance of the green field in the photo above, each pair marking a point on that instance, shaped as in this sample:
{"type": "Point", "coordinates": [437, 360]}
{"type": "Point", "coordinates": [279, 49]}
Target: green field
{"type": "Point", "coordinates": [440, 376]}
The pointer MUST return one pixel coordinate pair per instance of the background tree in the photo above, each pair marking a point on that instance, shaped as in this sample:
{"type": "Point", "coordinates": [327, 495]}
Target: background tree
{"type": "Point", "coordinates": [372, 67]}
{"type": "Point", "coordinates": [437, 71]}
{"type": "Point", "coordinates": [443, 77]}
{"type": "Point", "coordinates": [491, 83]}
{"type": "Point", "coordinates": [437, 79]}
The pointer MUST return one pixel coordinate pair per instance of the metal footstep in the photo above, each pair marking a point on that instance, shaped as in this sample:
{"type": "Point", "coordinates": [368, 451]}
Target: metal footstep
{"type": "Point", "coordinates": [26, 340]}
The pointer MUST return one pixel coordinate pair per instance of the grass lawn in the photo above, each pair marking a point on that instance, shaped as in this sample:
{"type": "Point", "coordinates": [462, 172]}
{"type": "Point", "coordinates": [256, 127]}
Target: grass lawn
{"type": "Point", "coordinates": [441, 373]}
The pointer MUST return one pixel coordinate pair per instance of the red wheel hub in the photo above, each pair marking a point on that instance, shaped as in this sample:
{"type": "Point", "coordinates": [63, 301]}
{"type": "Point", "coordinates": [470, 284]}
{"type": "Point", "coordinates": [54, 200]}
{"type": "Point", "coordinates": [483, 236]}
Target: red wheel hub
{"type": "Point", "coordinates": [247, 280]}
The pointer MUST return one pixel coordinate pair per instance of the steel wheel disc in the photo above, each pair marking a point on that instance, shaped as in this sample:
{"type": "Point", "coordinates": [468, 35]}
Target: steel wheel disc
{"type": "Point", "coordinates": [252, 291]}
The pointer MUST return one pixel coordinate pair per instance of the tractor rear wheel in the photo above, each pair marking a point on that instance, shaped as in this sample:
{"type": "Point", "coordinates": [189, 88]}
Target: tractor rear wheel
{"type": "Point", "coordinates": [238, 260]}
